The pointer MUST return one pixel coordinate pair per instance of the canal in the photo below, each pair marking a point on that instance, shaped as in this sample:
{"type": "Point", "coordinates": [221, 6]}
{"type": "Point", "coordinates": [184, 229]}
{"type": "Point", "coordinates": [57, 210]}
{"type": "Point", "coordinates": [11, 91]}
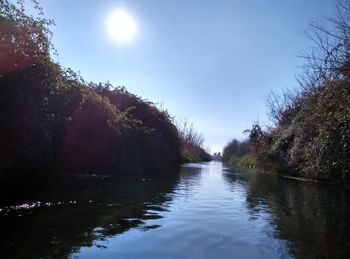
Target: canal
{"type": "Point", "coordinates": [203, 211]}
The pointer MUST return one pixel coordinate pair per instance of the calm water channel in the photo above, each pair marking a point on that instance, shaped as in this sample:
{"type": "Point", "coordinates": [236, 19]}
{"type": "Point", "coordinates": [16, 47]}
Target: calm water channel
{"type": "Point", "coordinates": [205, 211]}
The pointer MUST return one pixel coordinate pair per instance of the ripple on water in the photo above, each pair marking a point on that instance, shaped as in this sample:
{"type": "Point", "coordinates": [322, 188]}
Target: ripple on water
{"type": "Point", "coordinates": [206, 212]}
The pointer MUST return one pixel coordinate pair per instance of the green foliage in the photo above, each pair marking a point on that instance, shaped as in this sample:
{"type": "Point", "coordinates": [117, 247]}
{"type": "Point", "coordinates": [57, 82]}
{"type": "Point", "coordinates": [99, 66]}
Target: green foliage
{"type": "Point", "coordinates": [311, 132]}
{"type": "Point", "coordinates": [193, 154]}
{"type": "Point", "coordinates": [315, 142]}
{"type": "Point", "coordinates": [247, 161]}
{"type": "Point", "coordinates": [237, 153]}
{"type": "Point", "coordinates": [24, 39]}
{"type": "Point", "coordinates": [156, 133]}
{"type": "Point", "coordinates": [235, 148]}
{"type": "Point", "coordinates": [53, 122]}
{"type": "Point", "coordinates": [327, 155]}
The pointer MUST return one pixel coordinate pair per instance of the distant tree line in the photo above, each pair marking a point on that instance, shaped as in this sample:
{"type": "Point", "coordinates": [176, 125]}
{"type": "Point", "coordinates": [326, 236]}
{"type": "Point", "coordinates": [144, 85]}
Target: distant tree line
{"type": "Point", "coordinates": [55, 123]}
{"type": "Point", "coordinates": [236, 153]}
{"type": "Point", "coordinates": [217, 156]}
{"type": "Point", "coordinates": [235, 148]}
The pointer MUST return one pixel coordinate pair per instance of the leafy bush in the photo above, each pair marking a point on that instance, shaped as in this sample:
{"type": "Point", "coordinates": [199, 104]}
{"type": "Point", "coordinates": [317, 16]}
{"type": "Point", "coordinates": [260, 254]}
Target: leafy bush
{"type": "Point", "coordinates": [53, 122]}
{"type": "Point", "coordinates": [311, 132]}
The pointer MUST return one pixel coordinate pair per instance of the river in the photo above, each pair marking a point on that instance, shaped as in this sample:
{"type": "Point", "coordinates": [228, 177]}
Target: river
{"type": "Point", "coordinates": [203, 211]}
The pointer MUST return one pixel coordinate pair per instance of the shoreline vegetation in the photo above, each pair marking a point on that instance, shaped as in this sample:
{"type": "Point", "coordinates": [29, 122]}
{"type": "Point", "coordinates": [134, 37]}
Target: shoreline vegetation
{"type": "Point", "coordinates": [246, 161]}
{"type": "Point", "coordinates": [309, 135]}
{"type": "Point", "coordinates": [237, 154]}
{"type": "Point", "coordinates": [54, 123]}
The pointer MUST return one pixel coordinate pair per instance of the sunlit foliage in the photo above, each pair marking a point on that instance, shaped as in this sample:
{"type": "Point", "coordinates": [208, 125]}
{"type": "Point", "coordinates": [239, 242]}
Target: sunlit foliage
{"type": "Point", "coordinates": [311, 131]}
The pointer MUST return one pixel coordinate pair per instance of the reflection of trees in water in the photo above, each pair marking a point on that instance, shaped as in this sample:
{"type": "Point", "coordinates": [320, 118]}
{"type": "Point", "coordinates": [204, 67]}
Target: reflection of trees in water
{"type": "Point", "coordinates": [62, 230]}
{"type": "Point", "coordinates": [313, 218]}
{"type": "Point", "coordinates": [189, 177]}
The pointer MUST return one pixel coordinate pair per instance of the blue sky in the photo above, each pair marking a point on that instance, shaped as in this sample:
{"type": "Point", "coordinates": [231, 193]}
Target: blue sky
{"type": "Point", "coordinates": [210, 62]}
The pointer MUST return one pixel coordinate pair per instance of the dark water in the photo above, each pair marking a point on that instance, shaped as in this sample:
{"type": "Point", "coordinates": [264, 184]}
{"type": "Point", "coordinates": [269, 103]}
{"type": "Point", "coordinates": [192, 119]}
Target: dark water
{"type": "Point", "coordinates": [205, 211]}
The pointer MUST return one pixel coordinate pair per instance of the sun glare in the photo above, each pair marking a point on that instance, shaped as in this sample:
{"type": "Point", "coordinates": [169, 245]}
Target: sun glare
{"type": "Point", "coordinates": [121, 26]}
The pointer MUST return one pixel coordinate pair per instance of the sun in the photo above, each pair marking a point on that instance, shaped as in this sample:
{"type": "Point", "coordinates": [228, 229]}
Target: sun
{"type": "Point", "coordinates": [121, 26]}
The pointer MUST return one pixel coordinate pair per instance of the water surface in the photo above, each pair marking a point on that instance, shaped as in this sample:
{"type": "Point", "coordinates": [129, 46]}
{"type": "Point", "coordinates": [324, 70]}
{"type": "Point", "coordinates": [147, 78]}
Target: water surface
{"type": "Point", "coordinates": [204, 211]}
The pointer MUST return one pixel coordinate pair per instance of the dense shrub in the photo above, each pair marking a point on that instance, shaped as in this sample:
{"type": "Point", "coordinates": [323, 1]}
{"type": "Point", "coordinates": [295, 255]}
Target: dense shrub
{"type": "Point", "coordinates": [311, 131]}
{"type": "Point", "coordinates": [53, 122]}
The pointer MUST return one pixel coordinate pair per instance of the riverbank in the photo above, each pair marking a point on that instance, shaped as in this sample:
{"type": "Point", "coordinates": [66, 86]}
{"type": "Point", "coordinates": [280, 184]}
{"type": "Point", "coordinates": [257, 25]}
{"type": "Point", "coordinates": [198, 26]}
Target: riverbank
{"type": "Point", "coordinates": [246, 161]}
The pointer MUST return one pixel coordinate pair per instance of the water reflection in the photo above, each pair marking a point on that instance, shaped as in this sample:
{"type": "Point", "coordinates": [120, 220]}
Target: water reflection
{"type": "Point", "coordinates": [58, 231]}
{"type": "Point", "coordinates": [312, 218]}
{"type": "Point", "coordinates": [205, 211]}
